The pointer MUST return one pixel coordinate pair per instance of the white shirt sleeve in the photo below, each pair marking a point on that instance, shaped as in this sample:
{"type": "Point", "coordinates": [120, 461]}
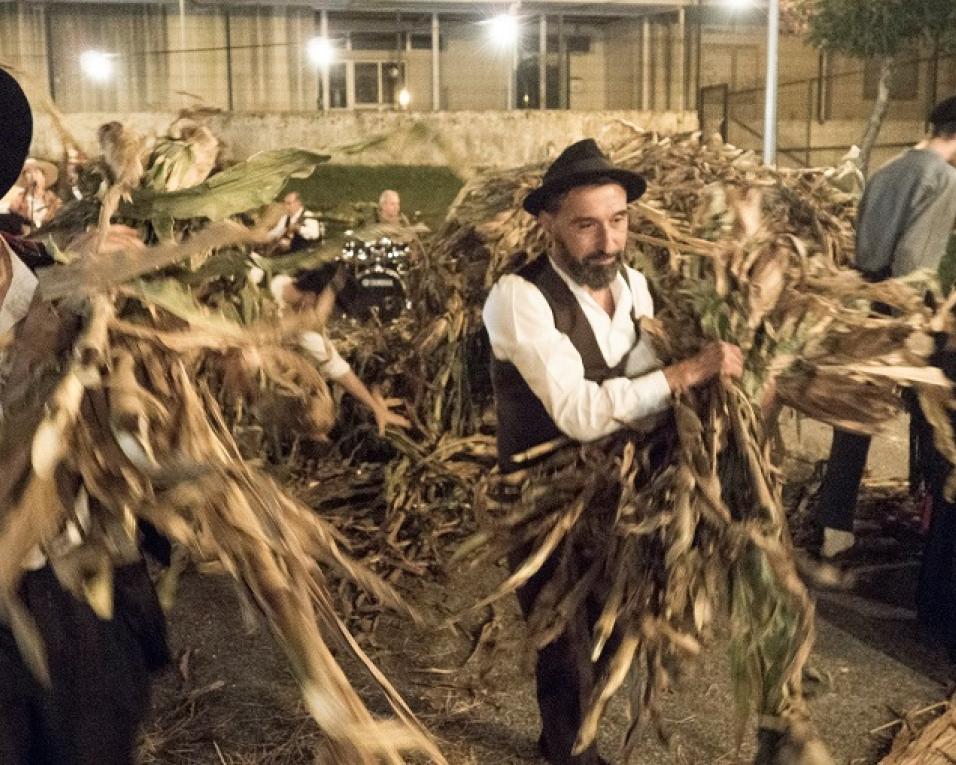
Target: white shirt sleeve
{"type": "Point", "coordinates": [331, 365]}
{"type": "Point", "coordinates": [309, 229]}
{"type": "Point", "coordinates": [278, 229]}
{"type": "Point", "coordinates": [521, 328]}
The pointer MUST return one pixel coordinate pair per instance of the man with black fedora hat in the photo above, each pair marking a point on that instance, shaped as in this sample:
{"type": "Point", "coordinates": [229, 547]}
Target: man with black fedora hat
{"type": "Point", "coordinates": [904, 224]}
{"type": "Point", "coordinates": [568, 359]}
{"type": "Point", "coordinates": [88, 708]}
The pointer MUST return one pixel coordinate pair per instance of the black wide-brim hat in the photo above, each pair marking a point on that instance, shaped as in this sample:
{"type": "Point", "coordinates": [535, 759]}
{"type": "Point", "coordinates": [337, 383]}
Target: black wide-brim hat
{"type": "Point", "coordinates": [581, 164]}
{"type": "Point", "coordinates": [16, 130]}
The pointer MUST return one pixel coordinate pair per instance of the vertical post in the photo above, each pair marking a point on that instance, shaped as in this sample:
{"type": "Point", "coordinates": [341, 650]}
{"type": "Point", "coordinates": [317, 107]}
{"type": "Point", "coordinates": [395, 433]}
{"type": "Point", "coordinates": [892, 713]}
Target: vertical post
{"type": "Point", "coordinates": [563, 74]}
{"type": "Point", "coordinates": [700, 50]}
{"type": "Point", "coordinates": [682, 60]}
{"type": "Point", "coordinates": [512, 90]}
{"type": "Point", "coordinates": [229, 97]}
{"type": "Point", "coordinates": [646, 66]}
{"type": "Point", "coordinates": [543, 62]}
{"type": "Point", "coordinates": [436, 71]}
{"type": "Point", "coordinates": [326, 82]}
{"type": "Point", "coordinates": [48, 34]}
{"type": "Point", "coordinates": [809, 133]}
{"type": "Point", "coordinates": [770, 104]}
{"type": "Point", "coordinates": [182, 45]}
{"type": "Point", "coordinates": [932, 86]}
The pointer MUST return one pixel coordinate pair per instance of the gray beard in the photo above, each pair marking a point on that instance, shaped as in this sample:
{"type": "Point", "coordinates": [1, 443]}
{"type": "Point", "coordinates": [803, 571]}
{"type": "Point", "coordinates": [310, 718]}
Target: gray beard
{"type": "Point", "coordinates": [587, 272]}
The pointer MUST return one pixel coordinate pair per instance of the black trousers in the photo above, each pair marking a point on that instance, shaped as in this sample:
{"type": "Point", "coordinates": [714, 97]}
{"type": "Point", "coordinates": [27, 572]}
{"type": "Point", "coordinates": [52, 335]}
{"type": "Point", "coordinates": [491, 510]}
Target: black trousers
{"type": "Point", "coordinates": [936, 593]}
{"type": "Point", "coordinates": [564, 673]}
{"type": "Point", "coordinates": [99, 672]}
{"type": "Point", "coordinates": [840, 488]}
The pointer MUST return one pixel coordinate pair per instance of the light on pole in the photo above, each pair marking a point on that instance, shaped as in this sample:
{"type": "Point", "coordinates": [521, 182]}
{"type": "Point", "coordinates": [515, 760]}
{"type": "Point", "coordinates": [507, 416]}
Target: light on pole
{"type": "Point", "coordinates": [770, 103]}
{"type": "Point", "coordinates": [504, 31]}
{"type": "Point", "coordinates": [773, 60]}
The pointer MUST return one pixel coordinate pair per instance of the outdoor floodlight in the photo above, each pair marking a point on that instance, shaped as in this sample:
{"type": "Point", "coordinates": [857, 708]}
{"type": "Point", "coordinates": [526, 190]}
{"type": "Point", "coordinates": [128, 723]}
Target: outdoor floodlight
{"type": "Point", "coordinates": [320, 51]}
{"type": "Point", "coordinates": [96, 65]}
{"type": "Point", "coordinates": [503, 30]}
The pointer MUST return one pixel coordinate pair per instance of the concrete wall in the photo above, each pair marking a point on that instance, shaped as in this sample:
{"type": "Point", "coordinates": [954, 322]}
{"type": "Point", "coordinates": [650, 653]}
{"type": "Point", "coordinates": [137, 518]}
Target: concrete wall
{"type": "Point", "coordinates": [459, 139]}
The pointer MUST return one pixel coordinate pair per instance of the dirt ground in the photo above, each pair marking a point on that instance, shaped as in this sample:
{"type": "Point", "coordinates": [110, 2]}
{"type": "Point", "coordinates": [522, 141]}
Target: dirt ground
{"type": "Point", "coordinates": [231, 698]}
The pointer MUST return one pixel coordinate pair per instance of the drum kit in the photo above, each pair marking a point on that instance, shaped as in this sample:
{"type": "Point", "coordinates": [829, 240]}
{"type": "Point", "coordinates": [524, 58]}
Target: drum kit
{"type": "Point", "coordinates": [377, 271]}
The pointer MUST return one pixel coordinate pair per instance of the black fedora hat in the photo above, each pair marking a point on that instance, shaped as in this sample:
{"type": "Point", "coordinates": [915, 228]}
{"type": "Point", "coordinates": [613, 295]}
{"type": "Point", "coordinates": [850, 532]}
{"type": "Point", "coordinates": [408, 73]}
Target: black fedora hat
{"type": "Point", "coordinates": [578, 165]}
{"type": "Point", "coordinates": [17, 130]}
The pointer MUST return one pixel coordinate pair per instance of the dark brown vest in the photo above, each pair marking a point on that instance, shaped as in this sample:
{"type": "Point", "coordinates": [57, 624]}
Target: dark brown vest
{"type": "Point", "coordinates": [523, 421]}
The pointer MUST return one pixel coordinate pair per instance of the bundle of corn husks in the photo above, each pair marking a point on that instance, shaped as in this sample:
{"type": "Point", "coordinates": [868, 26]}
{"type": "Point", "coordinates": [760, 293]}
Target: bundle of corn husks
{"type": "Point", "coordinates": [933, 743]}
{"type": "Point", "coordinates": [112, 390]}
{"type": "Point", "coordinates": [686, 520]}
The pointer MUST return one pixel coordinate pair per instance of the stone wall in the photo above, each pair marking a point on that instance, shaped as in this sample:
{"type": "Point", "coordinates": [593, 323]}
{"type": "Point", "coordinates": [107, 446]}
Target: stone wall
{"type": "Point", "coordinates": [461, 140]}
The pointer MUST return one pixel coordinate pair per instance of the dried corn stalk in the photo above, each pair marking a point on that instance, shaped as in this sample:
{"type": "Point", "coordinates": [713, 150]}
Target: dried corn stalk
{"type": "Point", "coordinates": [130, 417]}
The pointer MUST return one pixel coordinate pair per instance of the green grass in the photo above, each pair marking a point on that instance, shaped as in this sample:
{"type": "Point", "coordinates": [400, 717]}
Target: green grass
{"type": "Point", "coordinates": [351, 191]}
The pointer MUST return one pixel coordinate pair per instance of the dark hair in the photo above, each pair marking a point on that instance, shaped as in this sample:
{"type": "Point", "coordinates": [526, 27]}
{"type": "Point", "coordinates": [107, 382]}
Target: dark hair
{"type": "Point", "coordinates": [316, 279]}
{"type": "Point", "coordinates": [553, 203]}
{"type": "Point", "coordinates": [944, 130]}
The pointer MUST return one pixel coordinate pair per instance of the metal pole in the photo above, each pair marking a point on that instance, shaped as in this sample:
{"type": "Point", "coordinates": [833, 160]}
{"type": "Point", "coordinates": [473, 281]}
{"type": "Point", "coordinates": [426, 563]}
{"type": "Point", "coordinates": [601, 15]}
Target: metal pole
{"type": "Point", "coordinates": [697, 64]}
{"type": "Point", "coordinates": [563, 66]}
{"type": "Point", "coordinates": [436, 71]}
{"type": "Point", "coordinates": [182, 44]}
{"type": "Point", "coordinates": [682, 61]}
{"type": "Point", "coordinates": [646, 66]}
{"type": "Point", "coordinates": [543, 62]}
{"type": "Point", "coordinates": [229, 95]}
{"type": "Point", "coordinates": [513, 68]}
{"type": "Point", "coordinates": [770, 105]}
{"type": "Point", "coordinates": [326, 80]}
{"type": "Point", "coordinates": [48, 34]}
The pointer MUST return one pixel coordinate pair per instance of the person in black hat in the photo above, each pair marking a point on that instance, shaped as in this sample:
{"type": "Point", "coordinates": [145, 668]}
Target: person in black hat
{"type": "Point", "coordinates": [568, 358]}
{"type": "Point", "coordinates": [904, 224]}
{"type": "Point", "coordinates": [90, 711]}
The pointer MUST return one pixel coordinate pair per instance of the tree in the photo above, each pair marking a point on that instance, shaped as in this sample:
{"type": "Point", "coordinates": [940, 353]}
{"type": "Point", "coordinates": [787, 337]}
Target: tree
{"type": "Point", "coordinates": [870, 29]}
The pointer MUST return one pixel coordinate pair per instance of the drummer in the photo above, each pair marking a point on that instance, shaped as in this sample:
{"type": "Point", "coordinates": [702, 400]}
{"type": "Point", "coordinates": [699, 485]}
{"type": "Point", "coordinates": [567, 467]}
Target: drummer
{"type": "Point", "coordinates": [390, 208]}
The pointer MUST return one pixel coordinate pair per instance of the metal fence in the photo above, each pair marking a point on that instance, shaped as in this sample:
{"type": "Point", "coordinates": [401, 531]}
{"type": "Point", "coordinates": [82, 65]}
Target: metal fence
{"type": "Point", "coordinates": [820, 118]}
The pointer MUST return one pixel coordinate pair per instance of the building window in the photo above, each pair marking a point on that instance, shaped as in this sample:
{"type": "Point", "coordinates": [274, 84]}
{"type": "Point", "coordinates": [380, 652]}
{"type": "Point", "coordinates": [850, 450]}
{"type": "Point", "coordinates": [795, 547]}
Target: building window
{"type": "Point", "coordinates": [377, 83]}
{"type": "Point", "coordinates": [366, 84]}
{"type": "Point", "coordinates": [338, 86]}
{"type": "Point", "coordinates": [423, 41]}
{"type": "Point", "coordinates": [392, 79]}
{"type": "Point", "coordinates": [375, 40]}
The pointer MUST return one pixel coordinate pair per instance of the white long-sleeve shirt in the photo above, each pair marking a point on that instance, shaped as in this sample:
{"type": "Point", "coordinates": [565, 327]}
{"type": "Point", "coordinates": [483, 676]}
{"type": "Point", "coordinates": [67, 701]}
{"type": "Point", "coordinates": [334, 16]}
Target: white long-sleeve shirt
{"type": "Point", "coordinates": [522, 331]}
{"type": "Point", "coordinates": [308, 229]}
{"type": "Point", "coordinates": [331, 365]}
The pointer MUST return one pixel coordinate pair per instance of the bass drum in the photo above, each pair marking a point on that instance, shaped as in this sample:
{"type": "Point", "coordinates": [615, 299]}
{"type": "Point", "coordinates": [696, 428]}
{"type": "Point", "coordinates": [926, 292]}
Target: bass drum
{"type": "Point", "coordinates": [376, 290]}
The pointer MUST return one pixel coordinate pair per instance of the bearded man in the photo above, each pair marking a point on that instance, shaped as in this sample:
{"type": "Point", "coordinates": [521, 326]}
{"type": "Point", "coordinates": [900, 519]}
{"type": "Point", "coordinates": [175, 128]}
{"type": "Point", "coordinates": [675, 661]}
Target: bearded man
{"type": "Point", "coordinates": [569, 359]}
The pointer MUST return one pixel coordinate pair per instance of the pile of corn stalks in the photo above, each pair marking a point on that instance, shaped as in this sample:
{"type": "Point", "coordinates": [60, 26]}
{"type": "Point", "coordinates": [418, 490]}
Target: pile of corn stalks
{"type": "Point", "coordinates": [110, 388]}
